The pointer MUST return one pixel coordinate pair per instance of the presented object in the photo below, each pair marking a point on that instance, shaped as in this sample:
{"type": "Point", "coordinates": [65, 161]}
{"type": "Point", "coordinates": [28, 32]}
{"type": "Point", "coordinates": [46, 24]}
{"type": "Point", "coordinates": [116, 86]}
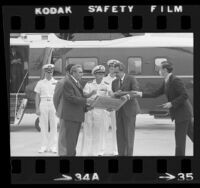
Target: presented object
{"type": "Point", "coordinates": [103, 102]}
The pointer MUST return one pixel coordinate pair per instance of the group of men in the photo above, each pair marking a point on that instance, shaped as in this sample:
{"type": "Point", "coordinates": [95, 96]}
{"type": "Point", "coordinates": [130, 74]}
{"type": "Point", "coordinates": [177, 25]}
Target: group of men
{"type": "Point", "coordinates": [67, 100]}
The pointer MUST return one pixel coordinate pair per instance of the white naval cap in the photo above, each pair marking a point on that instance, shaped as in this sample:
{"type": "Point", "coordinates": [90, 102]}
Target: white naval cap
{"type": "Point", "coordinates": [112, 61]}
{"type": "Point", "coordinates": [98, 68]}
{"type": "Point", "coordinates": [48, 67]}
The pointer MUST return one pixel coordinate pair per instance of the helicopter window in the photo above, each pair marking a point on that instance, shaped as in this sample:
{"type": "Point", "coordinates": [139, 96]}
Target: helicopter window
{"type": "Point", "coordinates": [158, 62]}
{"type": "Point", "coordinates": [58, 65]}
{"type": "Point", "coordinates": [87, 63]}
{"type": "Point", "coordinates": [134, 65]}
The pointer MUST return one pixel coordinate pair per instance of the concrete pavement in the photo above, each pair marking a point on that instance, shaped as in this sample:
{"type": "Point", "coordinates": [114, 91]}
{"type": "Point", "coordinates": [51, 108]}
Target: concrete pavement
{"type": "Point", "coordinates": [153, 137]}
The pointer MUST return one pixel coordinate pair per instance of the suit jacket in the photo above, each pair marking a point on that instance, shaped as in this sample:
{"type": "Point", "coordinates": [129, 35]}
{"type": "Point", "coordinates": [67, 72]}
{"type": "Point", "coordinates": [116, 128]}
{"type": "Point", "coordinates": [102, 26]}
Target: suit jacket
{"type": "Point", "coordinates": [176, 93]}
{"type": "Point", "coordinates": [58, 97]}
{"type": "Point", "coordinates": [74, 103]}
{"type": "Point", "coordinates": [131, 107]}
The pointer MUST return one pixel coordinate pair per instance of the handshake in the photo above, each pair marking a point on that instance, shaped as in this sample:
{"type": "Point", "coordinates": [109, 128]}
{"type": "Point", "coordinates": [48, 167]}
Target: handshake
{"type": "Point", "coordinates": [127, 94]}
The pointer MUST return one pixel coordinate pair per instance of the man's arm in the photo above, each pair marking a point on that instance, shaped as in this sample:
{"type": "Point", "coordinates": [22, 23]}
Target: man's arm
{"type": "Point", "coordinates": [179, 87]}
{"type": "Point", "coordinates": [154, 94]}
{"type": "Point", "coordinates": [134, 87]}
{"type": "Point", "coordinates": [57, 94]}
{"type": "Point", "coordinates": [37, 103]}
{"type": "Point", "coordinates": [68, 94]}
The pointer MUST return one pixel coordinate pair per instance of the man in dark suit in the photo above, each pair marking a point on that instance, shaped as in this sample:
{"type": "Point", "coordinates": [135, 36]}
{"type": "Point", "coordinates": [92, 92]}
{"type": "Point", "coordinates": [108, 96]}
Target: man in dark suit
{"type": "Point", "coordinates": [16, 70]}
{"type": "Point", "coordinates": [178, 104]}
{"type": "Point", "coordinates": [126, 115]}
{"type": "Point", "coordinates": [58, 103]}
{"type": "Point", "coordinates": [74, 108]}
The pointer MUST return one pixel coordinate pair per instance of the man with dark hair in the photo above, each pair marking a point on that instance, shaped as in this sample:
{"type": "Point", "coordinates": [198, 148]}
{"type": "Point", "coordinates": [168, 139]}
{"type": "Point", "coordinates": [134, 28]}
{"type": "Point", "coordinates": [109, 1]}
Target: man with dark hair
{"type": "Point", "coordinates": [74, 108]}
{"type": "Point", "coordinates": [126, 115]}
{"type": "Point", "coordinates": [178, 104]}
{"type": "Point", "coordinates": [58, 103]}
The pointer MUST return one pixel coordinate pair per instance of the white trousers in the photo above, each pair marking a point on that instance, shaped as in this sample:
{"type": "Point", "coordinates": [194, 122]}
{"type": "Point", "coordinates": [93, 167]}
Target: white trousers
{"type": "Point", "coordinates": [113, 145]}
{"type": "Point", "coordinates": [48, 117]}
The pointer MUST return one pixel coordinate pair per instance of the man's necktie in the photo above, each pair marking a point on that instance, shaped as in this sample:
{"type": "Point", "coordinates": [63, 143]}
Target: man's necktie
{"type": "Point", "coordinates": [79, 85]}
{"type": "Point", "coordinates": [120, 83]}
{"type": "Point", "coordinates": [165, 86]}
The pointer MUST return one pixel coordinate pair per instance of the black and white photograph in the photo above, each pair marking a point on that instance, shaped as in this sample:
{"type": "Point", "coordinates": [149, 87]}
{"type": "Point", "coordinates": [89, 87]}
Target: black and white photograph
{"type": "Point", "coordinates": [101, 94]}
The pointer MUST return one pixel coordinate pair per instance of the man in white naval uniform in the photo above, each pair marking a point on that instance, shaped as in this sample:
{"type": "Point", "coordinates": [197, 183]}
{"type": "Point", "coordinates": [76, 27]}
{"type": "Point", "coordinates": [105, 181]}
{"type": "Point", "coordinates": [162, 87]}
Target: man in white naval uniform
{"type": "Point", "coordinates": [46, 111]}
{"type": "Point", "coordinates": [96, 120]}
{"type": "Point", "coordinates": [112, 126]}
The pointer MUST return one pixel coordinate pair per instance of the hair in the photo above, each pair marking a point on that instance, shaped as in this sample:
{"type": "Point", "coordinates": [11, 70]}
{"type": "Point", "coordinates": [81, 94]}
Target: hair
{"type": "Point", "coordinates": [120, 65]}
{"type": "Point", "coordinates": [74, 68]}
{"type": "Point", "coordinates": [68, 67]}
{"type": "Point", "coordinates": [167, 65]}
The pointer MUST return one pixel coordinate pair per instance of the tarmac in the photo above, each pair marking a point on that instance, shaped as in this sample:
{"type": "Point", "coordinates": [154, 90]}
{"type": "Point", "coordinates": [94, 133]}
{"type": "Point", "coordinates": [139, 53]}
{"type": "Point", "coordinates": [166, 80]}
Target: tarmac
{"type": "Point", "coordinates": [153, 137]}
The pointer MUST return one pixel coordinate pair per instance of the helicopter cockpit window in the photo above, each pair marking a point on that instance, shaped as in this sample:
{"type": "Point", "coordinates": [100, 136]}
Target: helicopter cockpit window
{"type": "Point", "coordinates": [158, 62]}
{"type": "Point", "coordinates": [87, 63]}
{"type": "Point", "coordinates": [134, 65]}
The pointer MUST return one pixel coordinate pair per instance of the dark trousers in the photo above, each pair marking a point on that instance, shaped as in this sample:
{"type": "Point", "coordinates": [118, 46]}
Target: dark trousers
{"type": "Point", "coordinates": [125, 133]}
{"type": "Point", "coordinates": [182, 129]}
{"type": "Point", "coordinates": [62, 148]}
{"type": "Point", "coordinates": [16, 76]}
{"type": "Point", "coordinates": [72, 130]}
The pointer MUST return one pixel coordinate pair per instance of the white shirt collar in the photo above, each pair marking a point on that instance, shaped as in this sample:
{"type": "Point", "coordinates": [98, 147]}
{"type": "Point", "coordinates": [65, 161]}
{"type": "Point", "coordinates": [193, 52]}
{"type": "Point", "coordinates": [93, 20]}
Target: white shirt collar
{"type": "Point", "coordinates": [52, 79]}
{"type": "Point", "coordinates": [167, 77]}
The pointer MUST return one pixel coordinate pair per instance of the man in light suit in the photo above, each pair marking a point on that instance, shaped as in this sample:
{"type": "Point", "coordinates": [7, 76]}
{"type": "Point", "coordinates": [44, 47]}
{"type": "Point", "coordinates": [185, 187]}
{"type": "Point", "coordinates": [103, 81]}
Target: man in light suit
{"type": "Point", "coordinates": [126, 115]}
{"type": "Point", "coordinates": [74, 107]}
{"type": "Point", "coordinates": [178, 104]}
{"type": "Point", "coordinates": [58, 103]}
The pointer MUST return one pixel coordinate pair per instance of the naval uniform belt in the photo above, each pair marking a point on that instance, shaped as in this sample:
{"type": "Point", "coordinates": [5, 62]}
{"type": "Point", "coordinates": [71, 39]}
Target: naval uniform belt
{"type": "Point", "coordinates": [46, 99]}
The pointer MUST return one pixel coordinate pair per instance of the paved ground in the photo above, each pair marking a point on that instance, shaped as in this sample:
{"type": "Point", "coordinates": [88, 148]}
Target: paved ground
{"type": "Point", "coordinates": [153, 137]}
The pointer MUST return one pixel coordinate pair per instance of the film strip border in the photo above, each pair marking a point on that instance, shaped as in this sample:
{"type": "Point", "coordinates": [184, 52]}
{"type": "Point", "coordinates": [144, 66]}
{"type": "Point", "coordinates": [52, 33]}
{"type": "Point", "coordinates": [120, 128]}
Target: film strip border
{"type": "Point", "coordinates": [90, 24]}
{"type": "Point", "coordinates": [25, 19]}
{"type": "Point", "coordinates": [142, 169]}
{"type": "Point", "coordinates": [105, 169]}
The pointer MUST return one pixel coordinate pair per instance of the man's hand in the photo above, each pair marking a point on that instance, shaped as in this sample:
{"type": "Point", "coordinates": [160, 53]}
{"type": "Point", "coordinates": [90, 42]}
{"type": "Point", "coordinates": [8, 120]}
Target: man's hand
{"type": "Point", "coordinates": [89, 108]}
{"type": "Point", "coordinates": [88, 95]}
{"type": "Point", "coordinates": [136, 93]}
{"type": "Point", "coordinates": [16, 60]}
{"type": "Point", "coordinates": [117, 93]}
{"type": "Point", "coordinates": [25, 65]}
{"type": "Point", "coordinates": [90, 101]}
{"type": "Point", "coordinates": [125, 97]}
{"type": "Point", "coordinates": [37, 112]}
{"type": "Point", "coordinates": [167, 105]}
{"type": "Point", "coordinates": [93, 92]}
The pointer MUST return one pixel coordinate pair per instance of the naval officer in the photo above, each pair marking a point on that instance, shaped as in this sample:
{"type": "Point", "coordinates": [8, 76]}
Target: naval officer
{"type": "Point", "coordinates": [45, 109]}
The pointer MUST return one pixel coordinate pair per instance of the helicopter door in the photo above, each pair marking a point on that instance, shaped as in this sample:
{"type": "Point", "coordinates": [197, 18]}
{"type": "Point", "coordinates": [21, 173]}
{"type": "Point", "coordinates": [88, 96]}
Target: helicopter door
{"type": "Point", "coordinates": [18, 68]}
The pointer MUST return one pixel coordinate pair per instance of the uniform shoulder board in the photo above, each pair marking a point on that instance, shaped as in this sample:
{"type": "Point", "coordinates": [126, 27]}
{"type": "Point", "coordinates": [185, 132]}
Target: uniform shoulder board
{"type": "Point", "coordinates": [106, 83]}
